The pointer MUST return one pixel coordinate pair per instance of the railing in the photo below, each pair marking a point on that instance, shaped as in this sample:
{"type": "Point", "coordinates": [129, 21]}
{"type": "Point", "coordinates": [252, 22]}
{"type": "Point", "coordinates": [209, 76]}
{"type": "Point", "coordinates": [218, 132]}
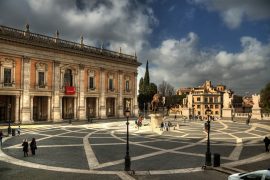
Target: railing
{"type": "Point", "coordinates": [7, 31]}
{"type": "Point", "coordinates": [241, 114]}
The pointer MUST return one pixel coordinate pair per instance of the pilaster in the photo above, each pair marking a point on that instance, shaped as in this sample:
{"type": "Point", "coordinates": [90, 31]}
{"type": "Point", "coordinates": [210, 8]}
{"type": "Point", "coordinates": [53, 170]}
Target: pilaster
{"type": "Point", "coordinates": [26, 111]}
{"type": "Point", "coordinates": [81, 99]}
{"type": "Point", "coordinates": [120, 95]}
{"type": "Point", "coordinates": [102, 105]}
{"type": "Point", "coordinates": [136, 108]}
{"type": "Point", "coordinates": [56, 116]}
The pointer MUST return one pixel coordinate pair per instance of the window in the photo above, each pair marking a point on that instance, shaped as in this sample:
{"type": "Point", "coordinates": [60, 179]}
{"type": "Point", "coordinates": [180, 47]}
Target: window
{"type": "Point", "coordinates": [41, 78]}
{"type": "Point", "coordinates": [127, 86]}
{"type": "Point", "coordinates": [198, 106]}
{"type": "Point", "coordinates": [211, 99]}
{"type": "Point", "coordinates": [41, 75]}
{"type": "Point", "coordinates": [216, 106]}
{"type": "Point", "coordinates": [216, 112]}
{"type": "Point", "coordinates": [252, 176]}
{"type": "Point", "coordinates": [211, 106]}
{"type": "Point", "coordinates": [198, 99]}
{"type": "Point", "coordinates": [216, 99]}
{"type": "Point", "coordinates": [7, 77]}
{"type": "Point", "coordinates": [199, 112]}
{"type": "Point", "coordinates": [205, 99]}
{"type": "Point", "coordinates": [91, 82]}
{"type": "Point", "coordinates": [111, 84]}
{"type": "Point", "coordinates": [68, 78]}
{"type": "Point", "coordinates": [206, 106]}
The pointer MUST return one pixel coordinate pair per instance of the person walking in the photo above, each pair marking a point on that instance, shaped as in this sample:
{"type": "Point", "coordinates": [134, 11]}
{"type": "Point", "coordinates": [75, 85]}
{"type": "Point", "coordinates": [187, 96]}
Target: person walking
{"type": "Point", "coordinates": [248, 119]}
{"type": "Point", "coordinates": [25, 147]}
{"type": "Point", "coordinates": [19, 130]}
{"type": "Point", "coordinates": [1, 137]}
{"type": "Point", "coordinates": [266, 143]}
{"type": "Point", "coordinates": [33, 146]}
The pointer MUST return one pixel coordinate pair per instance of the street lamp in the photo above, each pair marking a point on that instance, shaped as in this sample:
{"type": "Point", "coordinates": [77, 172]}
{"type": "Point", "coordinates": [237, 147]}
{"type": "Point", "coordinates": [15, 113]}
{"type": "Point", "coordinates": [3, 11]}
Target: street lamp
{"type": "Point", "coordinates": [127, 157]}
{"type": "Point", "coordinates": [144, 109]}
{"type": "Point", "coordinates": [208, 112]}
{"type": "Point", "coordinates": [9, 116]}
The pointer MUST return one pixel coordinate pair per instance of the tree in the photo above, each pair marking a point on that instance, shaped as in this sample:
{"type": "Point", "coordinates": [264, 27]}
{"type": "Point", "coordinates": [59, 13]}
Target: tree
{"type": "Point", "coordinates": [165, 89]}
{"type": "Point", "coordinates": [265, 98]}
{"type": "Point", "coordinates": [146, 90]}
{"type": "Point", "coordinates": [146, 79]}
{"type": "Point", "coordinates": [141, 86]}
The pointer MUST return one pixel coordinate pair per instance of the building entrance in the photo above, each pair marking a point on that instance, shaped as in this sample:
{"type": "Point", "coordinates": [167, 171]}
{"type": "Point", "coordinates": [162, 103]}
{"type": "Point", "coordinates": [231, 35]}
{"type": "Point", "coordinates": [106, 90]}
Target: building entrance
{"type": "Point", "coordinates": [110, 107]}
{"type": "Point", "coordinates": [68, 108]}
{"type": "Point", "coordinates": [7, 108]}
{"type": "Point", "coordinates": [91, 107]}
{"type": "Point", "coordinates": [40, 108]}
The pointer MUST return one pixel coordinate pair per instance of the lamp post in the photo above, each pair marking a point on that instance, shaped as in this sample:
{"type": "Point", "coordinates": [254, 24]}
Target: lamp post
{"type": "Point", "coordinates": [9, 116]}
{"type": "Point", "coordinates": [208, 153]}
{"type": "Point", "coordinates": [127, 157]}
{"type": "Point", "coordinates": [144, 109]}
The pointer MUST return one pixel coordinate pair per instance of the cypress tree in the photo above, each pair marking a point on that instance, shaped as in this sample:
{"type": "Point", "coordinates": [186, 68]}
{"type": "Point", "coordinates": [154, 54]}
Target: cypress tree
{"type": "Point", "coordinates": [146, 78]}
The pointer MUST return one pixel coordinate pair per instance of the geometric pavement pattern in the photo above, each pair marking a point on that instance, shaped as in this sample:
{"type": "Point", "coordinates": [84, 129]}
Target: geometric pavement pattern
{"type": "Point", "coordinates": [99, 148]}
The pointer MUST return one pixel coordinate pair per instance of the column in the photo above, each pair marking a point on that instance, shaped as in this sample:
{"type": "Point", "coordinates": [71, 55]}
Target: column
{"type": "Point", "coordinates": [97, 105]}
{"type": "Point", "coordinates": [17, 112]}
{"type": "Point", "coordinates": [120, 95]}
{"type": "Point", "coordinates": [102, 101]}
{"type": "Point", "coordinates": [75, 108]}
{"type": "Point", "coordinates": [136, 108]}
{"type": "Point", "coordinates": [81, 99]}
{"type": "Point", "coordinates": [26, 111]}
{"type": "Point", "coordinates": [56, 117]}
{"type": "Point", "coordinates": [49, 109]}
{"type": "Point", "coordinates": [31, 107]}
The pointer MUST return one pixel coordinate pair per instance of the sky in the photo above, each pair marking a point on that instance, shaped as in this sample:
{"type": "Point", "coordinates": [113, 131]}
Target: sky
{"type": "Point", "coordinates": [185, 41]}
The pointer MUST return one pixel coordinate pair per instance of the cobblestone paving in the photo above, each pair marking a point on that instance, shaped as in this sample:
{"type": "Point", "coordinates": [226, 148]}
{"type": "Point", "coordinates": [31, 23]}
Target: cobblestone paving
{"type": "Point", "coordinates": [99, 148]}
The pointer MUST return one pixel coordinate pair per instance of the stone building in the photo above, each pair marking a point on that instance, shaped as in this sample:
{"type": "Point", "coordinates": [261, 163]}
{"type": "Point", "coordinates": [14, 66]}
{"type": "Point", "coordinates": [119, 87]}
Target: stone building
{"type": "Point", "coordinates": [46, 78]}
{"type": "Point", "coordinates": [201, 97]}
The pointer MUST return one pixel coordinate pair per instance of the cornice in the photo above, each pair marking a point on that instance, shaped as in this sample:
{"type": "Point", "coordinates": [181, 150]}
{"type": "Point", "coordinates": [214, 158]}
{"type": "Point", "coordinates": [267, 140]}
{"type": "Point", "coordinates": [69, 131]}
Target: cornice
{"type": "Point", "coordinates": [37, 40]}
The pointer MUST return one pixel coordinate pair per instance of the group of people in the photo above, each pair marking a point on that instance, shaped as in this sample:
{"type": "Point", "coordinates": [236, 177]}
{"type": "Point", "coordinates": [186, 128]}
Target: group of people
{"type": "Point", "coordinates": [33, 147]}
{"type": "Point", "coordinates": [165, 126]}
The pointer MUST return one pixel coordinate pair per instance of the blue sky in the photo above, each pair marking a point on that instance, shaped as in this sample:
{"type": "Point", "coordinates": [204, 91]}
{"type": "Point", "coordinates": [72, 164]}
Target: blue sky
{"type": "Point", "coordinates": [185, 41]}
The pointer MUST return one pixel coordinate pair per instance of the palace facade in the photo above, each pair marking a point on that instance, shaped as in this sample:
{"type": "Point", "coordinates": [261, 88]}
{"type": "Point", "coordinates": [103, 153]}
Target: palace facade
{"type": "Point", "coordinates": [46, 78]}
{"type": "Point", "coordinates": [202, 97]}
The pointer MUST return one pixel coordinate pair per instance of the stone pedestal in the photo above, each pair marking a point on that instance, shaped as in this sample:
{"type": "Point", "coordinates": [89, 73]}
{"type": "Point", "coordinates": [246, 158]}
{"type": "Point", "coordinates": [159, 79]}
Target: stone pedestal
{"type": "Point", "coordinates": [227, 113]}
{"type": "Point", "coordinates": [256, 114]}
{"type": "Point", "coordinates": [156, 120]}
{"type": "Point", "coordinates": [186, 112]}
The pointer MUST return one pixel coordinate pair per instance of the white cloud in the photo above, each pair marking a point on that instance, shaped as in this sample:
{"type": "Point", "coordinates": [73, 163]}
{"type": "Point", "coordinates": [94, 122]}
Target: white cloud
{"type": "Point", "coordinates": [234, 12]}
{"type": "Point", "coordinates": [115, 23]}
{"type": "Point", "coordinates": [183, 64]}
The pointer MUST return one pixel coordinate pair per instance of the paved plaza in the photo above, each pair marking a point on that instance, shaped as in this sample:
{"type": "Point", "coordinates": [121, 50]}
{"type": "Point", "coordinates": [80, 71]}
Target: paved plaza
{"type": "Point", "coordinates": [97, 150]}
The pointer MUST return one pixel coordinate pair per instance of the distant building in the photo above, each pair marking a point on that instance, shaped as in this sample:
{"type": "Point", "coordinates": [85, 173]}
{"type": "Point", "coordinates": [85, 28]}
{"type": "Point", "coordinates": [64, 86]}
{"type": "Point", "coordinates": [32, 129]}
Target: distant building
{"type": "Point", "coordinates": [50, 79]}
{"type": "Point", "coordinates": [205, 96]}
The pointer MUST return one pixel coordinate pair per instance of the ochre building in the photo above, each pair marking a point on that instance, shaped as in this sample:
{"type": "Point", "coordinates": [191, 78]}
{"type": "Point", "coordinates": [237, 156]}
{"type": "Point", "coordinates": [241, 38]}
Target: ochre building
{"type": "Point", "coordinates": [49, 79]}
{"type": "Point", "coordinates": [202, 97]}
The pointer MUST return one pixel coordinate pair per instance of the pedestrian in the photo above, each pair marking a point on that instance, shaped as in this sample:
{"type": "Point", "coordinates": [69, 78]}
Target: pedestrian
{"type": "Point", "coordinates": [33, 146]}
{"type": "Point", "coordinates": [25, 147]}
{"type": "Point", "coordinates": [175, 117]}
{"type": "Point", "coordinates": [266, 143]}
{"type": "Point", "coordinates": [161, 126]}
{"type": "Point", "coordinates": [1, 137]}
{"type": "Point", "coordinates": [248, 119]}
{"type": "Point", "coordinates": [19, 130]}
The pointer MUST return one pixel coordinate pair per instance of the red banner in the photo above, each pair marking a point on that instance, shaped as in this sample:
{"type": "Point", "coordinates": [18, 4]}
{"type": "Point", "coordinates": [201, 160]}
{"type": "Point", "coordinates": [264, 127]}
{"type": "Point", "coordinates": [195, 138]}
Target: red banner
{"type": "Point", "coordinates": [70, 90]}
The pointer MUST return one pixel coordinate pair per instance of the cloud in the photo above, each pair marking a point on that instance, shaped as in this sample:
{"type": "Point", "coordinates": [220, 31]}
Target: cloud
{"type": "Point", "coordinates": [234, 12]}
{"type": "Point", "coordinates": [183, 64]}
{"type": "Point", "coordinates": [114, 23]}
